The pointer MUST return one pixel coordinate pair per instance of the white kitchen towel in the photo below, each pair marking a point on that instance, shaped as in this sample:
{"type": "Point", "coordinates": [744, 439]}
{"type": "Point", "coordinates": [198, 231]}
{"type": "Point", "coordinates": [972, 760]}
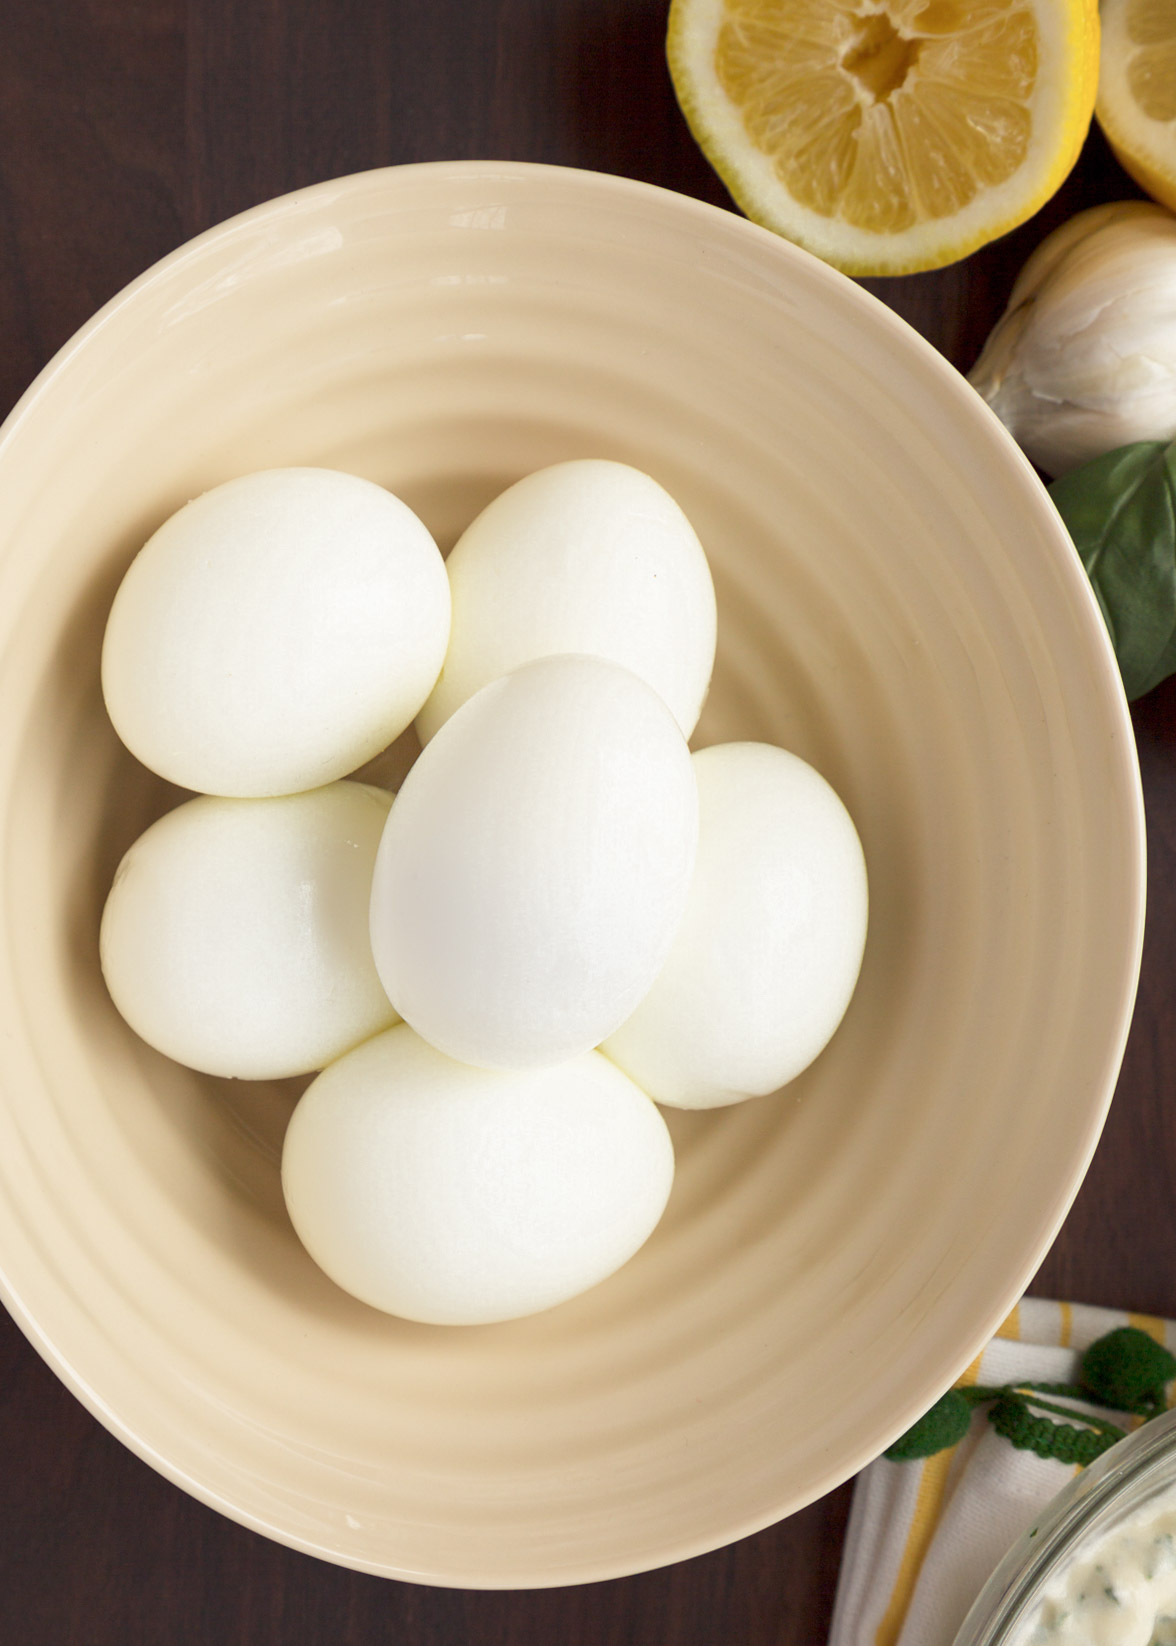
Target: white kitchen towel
{"type": "Point", "coordinates": [923, 1536]}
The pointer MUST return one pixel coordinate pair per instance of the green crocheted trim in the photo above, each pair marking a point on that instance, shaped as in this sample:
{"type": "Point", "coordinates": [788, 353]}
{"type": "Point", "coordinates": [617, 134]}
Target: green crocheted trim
{"type": "Point", "coordinates": [1126, 1370]}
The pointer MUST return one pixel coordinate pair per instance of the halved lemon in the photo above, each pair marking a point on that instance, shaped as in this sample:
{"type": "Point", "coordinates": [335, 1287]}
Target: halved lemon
{"type": "Point", "coordinates": [887, 135]}
{"type": "Point", "coordinates": [1136, 105]}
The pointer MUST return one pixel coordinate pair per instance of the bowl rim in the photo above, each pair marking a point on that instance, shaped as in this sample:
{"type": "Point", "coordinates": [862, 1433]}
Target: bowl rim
{"type": "Point", "coordinates": [712, 219]}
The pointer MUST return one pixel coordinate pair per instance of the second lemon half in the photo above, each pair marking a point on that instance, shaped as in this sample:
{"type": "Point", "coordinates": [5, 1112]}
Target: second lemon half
{"type": "Point", "coordinates": [1136, 105]}
{"type": "Point", "coordinates": [887, 136]}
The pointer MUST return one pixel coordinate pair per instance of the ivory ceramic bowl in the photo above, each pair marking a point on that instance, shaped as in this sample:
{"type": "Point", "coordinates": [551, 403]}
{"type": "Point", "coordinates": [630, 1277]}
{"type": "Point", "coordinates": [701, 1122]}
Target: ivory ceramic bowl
{"type": "Point", "coordinates": [898, 604]}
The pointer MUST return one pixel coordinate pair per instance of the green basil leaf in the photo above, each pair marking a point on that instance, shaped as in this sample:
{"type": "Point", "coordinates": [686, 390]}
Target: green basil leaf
{"type": "Point", "coordinates": [1121, 512]}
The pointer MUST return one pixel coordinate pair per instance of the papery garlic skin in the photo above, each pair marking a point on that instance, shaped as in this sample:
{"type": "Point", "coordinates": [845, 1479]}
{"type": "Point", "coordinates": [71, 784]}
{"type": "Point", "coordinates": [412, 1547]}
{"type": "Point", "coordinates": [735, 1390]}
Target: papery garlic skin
{"type": "Point", "coordinates": [1084, 358]}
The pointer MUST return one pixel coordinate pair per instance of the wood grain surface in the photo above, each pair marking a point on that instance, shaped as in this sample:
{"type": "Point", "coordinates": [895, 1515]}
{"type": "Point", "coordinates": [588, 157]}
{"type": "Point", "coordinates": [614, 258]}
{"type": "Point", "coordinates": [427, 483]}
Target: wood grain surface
{"type": "Point", "coordinates": [126, 127]}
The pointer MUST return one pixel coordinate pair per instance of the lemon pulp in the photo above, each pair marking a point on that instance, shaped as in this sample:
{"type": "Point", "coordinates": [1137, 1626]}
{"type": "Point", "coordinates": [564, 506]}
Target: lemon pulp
{"type": "Point", "coordinates": [884, 118]}
{"type": "Point", "coordinates": [1151, 73]}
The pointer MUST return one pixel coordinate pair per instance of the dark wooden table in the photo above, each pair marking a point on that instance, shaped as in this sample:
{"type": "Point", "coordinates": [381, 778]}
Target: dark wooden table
{"type": "Point", "coordinates": [126, 127]}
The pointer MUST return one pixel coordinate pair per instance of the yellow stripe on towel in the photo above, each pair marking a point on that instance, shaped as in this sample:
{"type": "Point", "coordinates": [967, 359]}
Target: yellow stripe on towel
{"type": "Point", "coordinates": [1010, 1327]}
{"type": "Point", "coordinates": [932, 1485]}
{"type": "Point", "coordinates": [1151, 1324]}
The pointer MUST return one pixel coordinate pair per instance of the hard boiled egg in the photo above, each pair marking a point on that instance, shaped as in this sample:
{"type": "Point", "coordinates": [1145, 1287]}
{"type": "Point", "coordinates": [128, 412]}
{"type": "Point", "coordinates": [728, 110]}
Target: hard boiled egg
{"type": "Point", "coordinates": [768, 952]}
{"type": "Point", "coordinates": [460, 1196]}
{"type": "Point", "coordinates": [536, 864]}
{"type": "Point", "coordinates": [235, 936]}
{"type": "Point", "coordinates": [588, 556]}
{"type": "Point", "coordinates": [275, 633]}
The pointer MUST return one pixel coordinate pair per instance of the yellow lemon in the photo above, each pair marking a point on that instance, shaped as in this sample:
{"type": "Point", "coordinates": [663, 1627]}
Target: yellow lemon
{"type": "Point", "coordinates": [1136, 105]}
{"type": "Point", "coordinates": [887, 135]}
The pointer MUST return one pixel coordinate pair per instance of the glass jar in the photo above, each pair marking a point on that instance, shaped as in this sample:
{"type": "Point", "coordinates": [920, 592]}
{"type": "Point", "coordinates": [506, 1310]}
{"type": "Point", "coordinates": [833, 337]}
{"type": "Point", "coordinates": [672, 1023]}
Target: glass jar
{"type": "Point", "coordinates": [1130, 1479]}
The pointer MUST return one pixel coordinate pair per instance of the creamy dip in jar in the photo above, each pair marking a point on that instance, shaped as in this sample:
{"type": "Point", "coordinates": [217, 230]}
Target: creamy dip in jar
{"type": "Point", "coordinates": [1098, 1568]}
{"type": "Point", "coordinates": [1119, 1589]}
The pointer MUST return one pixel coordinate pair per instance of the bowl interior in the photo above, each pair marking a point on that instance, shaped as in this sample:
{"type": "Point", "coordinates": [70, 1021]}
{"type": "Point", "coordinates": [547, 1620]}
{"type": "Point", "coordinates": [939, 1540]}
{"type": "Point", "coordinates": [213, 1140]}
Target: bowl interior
{"type": "Point", "coordinates": [897, 603]}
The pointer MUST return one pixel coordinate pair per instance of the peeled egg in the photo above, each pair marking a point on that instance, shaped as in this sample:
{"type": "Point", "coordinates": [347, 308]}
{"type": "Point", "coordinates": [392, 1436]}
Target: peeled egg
{"type": "Point", "coordinates": [460, 1196]}
{"type": "Point", "coordinates": [769, 949]}
{"type": "Point", "coordinates": [536, 864]}
{"type": "Point", "coordinates": [235, 936]}
{"type": "Point", "coordinates": [588, 556]}
{"type": "Point", "coordinates": [275, 633]}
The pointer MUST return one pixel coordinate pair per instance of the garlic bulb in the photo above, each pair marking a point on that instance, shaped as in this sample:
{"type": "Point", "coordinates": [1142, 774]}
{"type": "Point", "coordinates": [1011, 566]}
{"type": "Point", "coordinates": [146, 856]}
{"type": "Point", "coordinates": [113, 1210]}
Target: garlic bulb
{"type": "Point", "coordinates": [1084, 358]}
